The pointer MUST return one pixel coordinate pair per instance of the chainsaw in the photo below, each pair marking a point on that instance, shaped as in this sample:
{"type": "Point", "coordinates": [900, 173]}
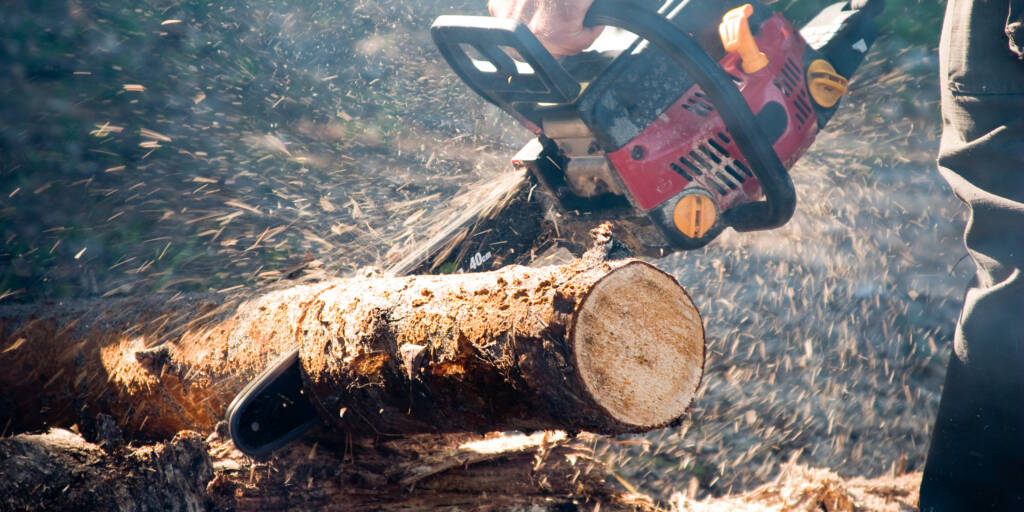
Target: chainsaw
{"type": "Point", "coordinates": [687, 129]}
{"type": "Point", "coordinates": [693, 133]}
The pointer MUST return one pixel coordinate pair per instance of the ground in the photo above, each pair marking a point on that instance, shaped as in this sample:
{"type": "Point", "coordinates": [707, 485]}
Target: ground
{"type": "Point", "coordinates": [213, 146]}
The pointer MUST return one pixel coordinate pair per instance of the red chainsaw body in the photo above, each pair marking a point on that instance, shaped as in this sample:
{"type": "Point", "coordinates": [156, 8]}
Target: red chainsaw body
{"type": "Point", "coordinates": [688, 145]}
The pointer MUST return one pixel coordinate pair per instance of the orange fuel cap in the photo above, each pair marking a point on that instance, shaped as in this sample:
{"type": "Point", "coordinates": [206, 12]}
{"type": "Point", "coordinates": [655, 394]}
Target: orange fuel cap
{"type": "Point", "coordinates": [694, 215]}
{"type": "Point", "coordinates": [736, 37]}
{"type": "Point", "coordinates": [825, 85]}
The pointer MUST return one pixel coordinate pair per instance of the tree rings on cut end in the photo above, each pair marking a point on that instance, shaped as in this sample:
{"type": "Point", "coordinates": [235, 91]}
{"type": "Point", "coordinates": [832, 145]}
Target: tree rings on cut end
{"type": "Point", "coordinates": [639, 346]}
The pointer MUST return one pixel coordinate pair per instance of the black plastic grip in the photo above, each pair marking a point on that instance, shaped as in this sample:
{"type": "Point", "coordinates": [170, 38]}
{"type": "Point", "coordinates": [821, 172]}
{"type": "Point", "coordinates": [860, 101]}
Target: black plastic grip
{"type": "Point", "coordinates": [514, 88]}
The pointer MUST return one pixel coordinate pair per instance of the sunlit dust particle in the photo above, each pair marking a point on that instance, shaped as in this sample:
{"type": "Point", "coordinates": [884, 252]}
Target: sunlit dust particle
{"type": "Point", "coordinates": [150, 134]}
{"type": "Point", "coordinates": [14, 346]}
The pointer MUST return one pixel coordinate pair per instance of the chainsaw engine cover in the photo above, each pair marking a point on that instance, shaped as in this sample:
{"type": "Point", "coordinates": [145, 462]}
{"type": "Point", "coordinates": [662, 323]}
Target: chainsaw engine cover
{"type": "Point", "coordinates": [666, 142]}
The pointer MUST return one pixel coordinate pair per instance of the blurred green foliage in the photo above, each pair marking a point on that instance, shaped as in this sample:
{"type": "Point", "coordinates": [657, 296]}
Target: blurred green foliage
{"type": "Point", "coordinates": [915, 22]}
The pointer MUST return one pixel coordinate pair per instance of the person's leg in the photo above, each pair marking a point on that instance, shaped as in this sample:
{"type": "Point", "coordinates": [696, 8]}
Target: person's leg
{"type": "Point", "coordinates": [976, 457]}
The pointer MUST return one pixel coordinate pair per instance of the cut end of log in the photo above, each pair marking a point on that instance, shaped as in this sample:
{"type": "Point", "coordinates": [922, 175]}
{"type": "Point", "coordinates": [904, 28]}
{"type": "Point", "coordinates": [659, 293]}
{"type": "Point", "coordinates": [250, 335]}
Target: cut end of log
{"type": "Point", "coordinates": [639, 346]}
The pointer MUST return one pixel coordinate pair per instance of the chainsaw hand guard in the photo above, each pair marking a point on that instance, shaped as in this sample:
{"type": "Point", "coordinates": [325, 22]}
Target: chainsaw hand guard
{"type": "Point", "coordinates": [498, 77]}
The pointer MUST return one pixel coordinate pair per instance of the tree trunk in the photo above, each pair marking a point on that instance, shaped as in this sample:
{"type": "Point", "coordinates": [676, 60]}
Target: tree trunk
{"type": "Point", "coordinates": [602, 345]}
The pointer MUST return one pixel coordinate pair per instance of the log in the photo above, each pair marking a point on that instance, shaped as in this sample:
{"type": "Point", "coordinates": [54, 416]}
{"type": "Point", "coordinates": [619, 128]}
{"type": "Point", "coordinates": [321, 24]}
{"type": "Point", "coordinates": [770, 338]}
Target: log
{"type": "Point", "coordinates": [59, 470]}
{"type": "Point", "coordinates": [603, 345]}
{"type": "Point", "coordinates": [150, 368]}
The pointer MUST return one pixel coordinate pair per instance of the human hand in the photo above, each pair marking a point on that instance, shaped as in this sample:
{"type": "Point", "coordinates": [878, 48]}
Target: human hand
{"type": "Point", "coordinates": [558, 24]}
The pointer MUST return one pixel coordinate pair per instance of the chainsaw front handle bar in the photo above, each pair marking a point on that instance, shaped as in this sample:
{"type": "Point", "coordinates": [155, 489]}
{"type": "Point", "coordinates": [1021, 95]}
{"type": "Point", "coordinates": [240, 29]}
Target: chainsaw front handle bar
{"type": "Point", "coordinates": [513, 89]}
{"type": "Point", "coordinates": [518, 91]}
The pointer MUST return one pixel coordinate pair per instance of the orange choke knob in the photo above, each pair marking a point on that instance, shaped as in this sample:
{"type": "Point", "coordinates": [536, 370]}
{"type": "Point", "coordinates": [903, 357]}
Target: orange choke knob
{"type": "Point", "coordinates": [825, 84]}
{"type": "Point", "coordinates": [695, 215]}
{"type": "Point", "coordinates": [736, 37]}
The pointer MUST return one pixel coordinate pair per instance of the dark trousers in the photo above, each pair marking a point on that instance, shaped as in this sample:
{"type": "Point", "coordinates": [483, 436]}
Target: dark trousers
{"type": "Point", "coordinates": [976, 457]}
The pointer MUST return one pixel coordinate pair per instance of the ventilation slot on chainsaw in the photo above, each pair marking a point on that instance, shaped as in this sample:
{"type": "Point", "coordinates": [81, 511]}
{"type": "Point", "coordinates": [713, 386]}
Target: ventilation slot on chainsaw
{"type": "Point", "coordinates": [791, 76]}
{"type": "Point", "coordinates": [698, 166]}
{"type": "Point", "coordinates": [791, 83]}
{"type": "Point", "coordinates": [699, 104]}
{"type": "Point", "coordinates": [712, 160]}
{"type": "Point", "coordinates": [803, 108]}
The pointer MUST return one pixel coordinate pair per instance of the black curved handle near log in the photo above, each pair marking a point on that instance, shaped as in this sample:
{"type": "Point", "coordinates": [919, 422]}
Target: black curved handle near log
{"type": "Point", "coordinates": [272, 410]}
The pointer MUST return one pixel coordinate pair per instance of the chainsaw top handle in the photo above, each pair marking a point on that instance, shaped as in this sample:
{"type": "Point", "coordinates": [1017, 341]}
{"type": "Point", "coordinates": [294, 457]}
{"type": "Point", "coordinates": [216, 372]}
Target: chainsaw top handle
{"type": "Point", "coordinates": [518, 91]}
{"type": "Point", "coordinates": [507, 85]}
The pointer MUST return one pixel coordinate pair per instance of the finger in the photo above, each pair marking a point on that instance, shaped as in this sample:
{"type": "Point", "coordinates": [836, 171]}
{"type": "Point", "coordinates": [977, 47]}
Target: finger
{"type": "Point", "coordinates": [560, 44]}
{"type": "Point", "coordinates": [592, 33]}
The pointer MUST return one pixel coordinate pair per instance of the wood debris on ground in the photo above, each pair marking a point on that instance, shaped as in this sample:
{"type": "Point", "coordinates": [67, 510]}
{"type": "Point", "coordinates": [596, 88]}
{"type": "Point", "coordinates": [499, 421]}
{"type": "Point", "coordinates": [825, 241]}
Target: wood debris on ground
{"type": "Point", "coordinates": [543, 471]}
{"type": "Point", "coordinates": [800, 488]}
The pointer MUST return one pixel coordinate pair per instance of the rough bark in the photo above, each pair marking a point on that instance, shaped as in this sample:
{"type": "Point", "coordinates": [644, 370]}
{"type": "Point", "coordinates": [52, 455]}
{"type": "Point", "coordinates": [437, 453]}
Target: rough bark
{"type": "Point", "coordinates": [543, 472]}
{"type": "Point", "coordinates": [596, 345]}
{"type": "Point", "coordinates": [156, 365]}
{"type": "Point", "coordinates": [608, 346]}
